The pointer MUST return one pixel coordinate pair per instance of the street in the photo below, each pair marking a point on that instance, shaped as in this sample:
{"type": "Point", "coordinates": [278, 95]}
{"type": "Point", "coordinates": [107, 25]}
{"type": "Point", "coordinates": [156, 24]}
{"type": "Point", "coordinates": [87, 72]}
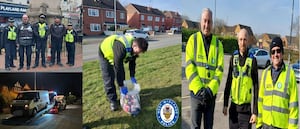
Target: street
{"type": "Point", "coordinates": [71, 118]}
{"type": "Point", "coordinates": [220, 121]}
{"type": "Point", "coordinates": [90, 47]}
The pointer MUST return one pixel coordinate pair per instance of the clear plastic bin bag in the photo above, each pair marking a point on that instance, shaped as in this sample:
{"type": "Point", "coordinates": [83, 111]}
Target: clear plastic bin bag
{"type": "Point", "coordinates": [130, 102]}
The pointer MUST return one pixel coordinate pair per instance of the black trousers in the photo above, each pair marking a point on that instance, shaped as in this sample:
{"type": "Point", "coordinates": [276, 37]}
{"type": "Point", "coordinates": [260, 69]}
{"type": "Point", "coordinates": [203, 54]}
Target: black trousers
{"type": "Point", "coordinates": [10, 47]}
{"type": "Point", "coordinates": [197, 110]}
{"type": "Point", "coordinates": [108, 76]}
{"type": "Point", "coordinates": [56, 45]}
{"type": "Point", "coordinates": [238, 120]}
{"type": "Point", "coordinates": [28, 50]}
{"type": "Point", "coordinates": [265, 126]}
{"type": "Point", "coordinates": [71, 52]}
{"type": "Point", "coordinates": [40, 50]}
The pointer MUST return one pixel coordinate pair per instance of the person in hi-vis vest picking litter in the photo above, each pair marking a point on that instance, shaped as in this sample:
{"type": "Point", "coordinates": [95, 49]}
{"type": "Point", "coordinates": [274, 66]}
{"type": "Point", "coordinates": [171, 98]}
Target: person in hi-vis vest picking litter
{"type": "Point", "coordinates": [113, 52]}
{"type": "Point", "coordinates": [241, 85]}
{"type": "Point", "coordinates": [278, 104]}
{"type": "Point", "coordinates": [204, 70]}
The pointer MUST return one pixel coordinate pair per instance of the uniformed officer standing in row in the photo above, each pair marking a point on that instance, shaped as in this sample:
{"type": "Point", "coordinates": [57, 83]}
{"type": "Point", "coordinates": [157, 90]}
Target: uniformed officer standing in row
{"type": "Point", "coordinates": [71, 39]}
{"type": "Point", "coordinates": [9, 39]}
{"type": "Point", "coordinates": [41, 32]}
{"type": "Point", "coordinates": [57, 31]}
{"type": "Point", "coordinates": [25, 39]}
{"type": "Point", "coordinates": [241, 85]}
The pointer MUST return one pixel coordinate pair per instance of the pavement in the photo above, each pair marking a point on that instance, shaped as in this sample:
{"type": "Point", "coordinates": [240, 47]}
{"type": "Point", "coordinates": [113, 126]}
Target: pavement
{"type": "Point", "coordinates": [66, 68]}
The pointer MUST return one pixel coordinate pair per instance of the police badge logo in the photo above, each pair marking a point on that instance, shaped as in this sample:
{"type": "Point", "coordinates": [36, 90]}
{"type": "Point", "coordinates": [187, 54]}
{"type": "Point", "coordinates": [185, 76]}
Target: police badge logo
{"type": "Point", "coordinates": [279, 85]}
{"type": "Point", "coordinates": [167, 112]}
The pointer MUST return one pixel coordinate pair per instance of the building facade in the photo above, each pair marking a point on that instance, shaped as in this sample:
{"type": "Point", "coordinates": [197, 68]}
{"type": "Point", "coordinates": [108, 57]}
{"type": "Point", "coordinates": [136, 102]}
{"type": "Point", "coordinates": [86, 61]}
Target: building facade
{"type": "Point", "coordinates": [99, 16]}
{"type": "Point", "coordinates": [145, 17]}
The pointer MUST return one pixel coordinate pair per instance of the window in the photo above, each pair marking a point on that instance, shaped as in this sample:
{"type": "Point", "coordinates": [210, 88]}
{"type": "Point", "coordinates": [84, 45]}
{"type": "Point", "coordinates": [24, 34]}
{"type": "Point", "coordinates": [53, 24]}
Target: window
{"type": "Point", "coordinates": [95, 27]}
{"type": "Point", "coordinates": [122, 15]}
{"type": "Point", "coordinates": [110, 14]}
{"type": "Point", "coordinates": [264, 53]}
{"type": "Point", "coordinates": [149, 18]}
{"type": "Point", "coordinates": [93, 12]}
{"type": "Point", "coordinates": [142, 17]}
{"type": "Point", "coordinates": [157, 19]}
{"type": "Point", "coordinates": [163, 19]}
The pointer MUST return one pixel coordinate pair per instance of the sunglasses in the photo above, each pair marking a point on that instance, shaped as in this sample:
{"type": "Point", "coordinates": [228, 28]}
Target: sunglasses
{"type": "Point", "coordinates": [276, 50]}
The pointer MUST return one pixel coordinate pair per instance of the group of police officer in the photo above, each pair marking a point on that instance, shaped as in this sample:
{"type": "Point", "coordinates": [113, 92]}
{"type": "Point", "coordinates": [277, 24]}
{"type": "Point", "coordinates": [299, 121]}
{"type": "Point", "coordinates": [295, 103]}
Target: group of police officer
{"type": "Point", "coordinates": [275, 100]}
{"type": "Point", "coordinates": [27, 35]}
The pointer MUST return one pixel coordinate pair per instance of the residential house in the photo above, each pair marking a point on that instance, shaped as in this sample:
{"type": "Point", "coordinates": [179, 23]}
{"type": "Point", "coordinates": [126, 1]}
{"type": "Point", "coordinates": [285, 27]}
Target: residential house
{"type": "Point", "coordinates": [98, 16]}
{"type": "Point", "coordinates": [234, 30]}
{"type": "Point", "coordinates": [173, 19]}
{"type": "Point", "coordinates": [265, 40]}
{"type": "Point", "coordinates": [139, 16]}
{"type": "Point", "coordinates": [188, 24]}
{"type": "Point", "coordinates": [294, 44]}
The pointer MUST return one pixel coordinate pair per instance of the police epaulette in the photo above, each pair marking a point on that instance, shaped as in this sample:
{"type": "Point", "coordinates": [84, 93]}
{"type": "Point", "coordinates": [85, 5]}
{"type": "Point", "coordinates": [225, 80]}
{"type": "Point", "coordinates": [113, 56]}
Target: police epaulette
{"type": "Point", "coordinates": [236, 52]}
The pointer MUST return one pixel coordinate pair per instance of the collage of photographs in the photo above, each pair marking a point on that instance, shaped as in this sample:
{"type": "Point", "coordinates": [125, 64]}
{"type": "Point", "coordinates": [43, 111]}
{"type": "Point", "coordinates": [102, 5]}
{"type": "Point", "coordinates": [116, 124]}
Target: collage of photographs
{"type": "Point", "coordinates": [149, 64]}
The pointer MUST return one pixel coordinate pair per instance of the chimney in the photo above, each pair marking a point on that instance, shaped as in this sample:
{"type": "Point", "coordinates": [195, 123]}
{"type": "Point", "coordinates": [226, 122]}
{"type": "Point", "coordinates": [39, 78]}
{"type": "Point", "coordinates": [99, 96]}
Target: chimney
{"type": "Point", "coordinates": [149, 8]}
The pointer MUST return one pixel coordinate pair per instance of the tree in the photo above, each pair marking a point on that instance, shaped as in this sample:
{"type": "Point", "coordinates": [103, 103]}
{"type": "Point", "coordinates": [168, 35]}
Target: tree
{"type": "Point", "coordinates": [185, 17]}
{"type": "Point", "coordinates": [219, 24]}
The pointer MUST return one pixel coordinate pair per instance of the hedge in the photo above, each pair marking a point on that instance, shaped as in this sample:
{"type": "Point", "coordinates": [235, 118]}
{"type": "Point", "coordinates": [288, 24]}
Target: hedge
{"type": "Point", "coordinates": [229, 43]}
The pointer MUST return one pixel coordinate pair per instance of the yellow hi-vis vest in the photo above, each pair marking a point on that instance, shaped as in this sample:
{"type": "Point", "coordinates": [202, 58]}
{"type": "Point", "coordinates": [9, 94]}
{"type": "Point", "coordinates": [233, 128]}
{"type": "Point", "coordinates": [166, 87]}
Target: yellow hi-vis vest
{"type": "Point", "coordinates": [278, 103]}
{"type": "Point", "coordinates": [200, 71]}
{"type": "Point", "coordinates": [107, 46]}
{"type": "Point", "coordinates": [12, 35]}
{"type": "Point", "coordinates": [241, 86]}
{"type": "Point", "coordinates": [69, 36]}
{"type": "Point", "coordinates": [42, 29]}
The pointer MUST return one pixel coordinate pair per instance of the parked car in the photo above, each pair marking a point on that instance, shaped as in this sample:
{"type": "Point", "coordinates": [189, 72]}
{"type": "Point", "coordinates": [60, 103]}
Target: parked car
{"type": "Point", "coordinates": [262, 57]}
{"type": "Point", "coordinates": [136, 33]}
{"type": "Point", "coordinates": [296, 68]}
{"type": "Point", "coordinates": [61, 102]}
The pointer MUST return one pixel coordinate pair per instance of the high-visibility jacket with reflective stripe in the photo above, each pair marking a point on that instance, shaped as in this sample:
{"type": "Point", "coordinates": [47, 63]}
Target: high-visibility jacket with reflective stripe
{"type": "Point", "coordinates": [42, 29]}
{"type": "Point", "coordinates": [200, 71]}
{"type": "Point", "coordinates": [242, 83]}
{"type": "Point", "coordinates": [12, 35]}
{"type": "Point", "coordinates": [278, 103]}
{"type": "Point", "coordinates": [107, 46]}
{"type": "Point", "coordinates": [69, 36]}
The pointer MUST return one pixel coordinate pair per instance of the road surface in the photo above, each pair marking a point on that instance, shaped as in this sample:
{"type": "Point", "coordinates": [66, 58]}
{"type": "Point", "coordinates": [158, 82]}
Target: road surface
{"type": "Point", "coordinates": [90, 49]}
{"type": "Point", "coordinates": [71, 118]}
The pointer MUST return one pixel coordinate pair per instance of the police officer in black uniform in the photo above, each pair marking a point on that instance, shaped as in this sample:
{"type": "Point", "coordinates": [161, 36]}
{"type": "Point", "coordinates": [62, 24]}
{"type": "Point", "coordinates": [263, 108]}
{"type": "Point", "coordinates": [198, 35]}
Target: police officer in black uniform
{"type": "Point", "coordinates": [9, 41]}
{"type": "Point", "coordinates": [41, 32]}
{"type": "Point", "coordinates": [25, 38]}
{"type": "Point", "coordinates": [71, 39]}
{"type": "Point", "coordinates": [57, 31]}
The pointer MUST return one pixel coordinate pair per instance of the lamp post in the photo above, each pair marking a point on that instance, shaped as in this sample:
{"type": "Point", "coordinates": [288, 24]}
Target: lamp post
{"type": "Point", "coordinates": [115, 17]}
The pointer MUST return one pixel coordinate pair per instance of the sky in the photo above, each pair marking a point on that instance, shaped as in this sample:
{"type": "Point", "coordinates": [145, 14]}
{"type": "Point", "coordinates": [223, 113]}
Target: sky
{"type": "Point", "coordinates": [62, 83]}
{"type": "Point", "coordinates": [263, 16]}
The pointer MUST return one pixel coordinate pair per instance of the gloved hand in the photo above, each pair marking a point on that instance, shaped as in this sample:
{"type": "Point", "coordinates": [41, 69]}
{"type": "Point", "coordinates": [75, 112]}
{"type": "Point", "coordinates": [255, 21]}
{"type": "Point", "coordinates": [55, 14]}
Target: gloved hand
{"type": "Point", "coordinates": [123, 90]}
{"type": "Point", "coordinates": [133, 80]}
{"type": "Point", "coordinates": [204, 95]}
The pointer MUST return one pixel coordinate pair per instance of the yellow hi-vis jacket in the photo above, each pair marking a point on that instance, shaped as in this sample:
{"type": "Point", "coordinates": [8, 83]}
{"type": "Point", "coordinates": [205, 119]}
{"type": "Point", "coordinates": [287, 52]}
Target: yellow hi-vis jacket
{"type": "Point", "coordinates": [200, 71]}
{"type": "Point", "coordinates": [42, 29]}
{"type": "Point", "coordinates": [278, 103]}
{"type": "Point", "coordinates": [242, 83]}
{"type": "Point", "coordinates": [12, 35]}
{"type": "Point", "coordinates": [107, 46]}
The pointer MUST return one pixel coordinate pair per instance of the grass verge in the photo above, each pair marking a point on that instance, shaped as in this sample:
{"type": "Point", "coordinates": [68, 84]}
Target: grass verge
{"type": "Point", "coordinates": [159, 74]}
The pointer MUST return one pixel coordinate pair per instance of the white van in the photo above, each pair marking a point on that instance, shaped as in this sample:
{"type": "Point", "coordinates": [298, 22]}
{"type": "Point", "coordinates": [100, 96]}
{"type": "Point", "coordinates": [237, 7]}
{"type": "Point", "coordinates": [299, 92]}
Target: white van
{"type": "Point", "coordinates": [28, 103]}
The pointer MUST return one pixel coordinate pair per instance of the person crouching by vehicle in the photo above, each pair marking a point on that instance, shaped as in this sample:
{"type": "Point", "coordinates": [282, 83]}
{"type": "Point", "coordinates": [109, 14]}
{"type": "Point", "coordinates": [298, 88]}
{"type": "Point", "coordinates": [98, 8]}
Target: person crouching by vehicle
{"type": "Point", "coordinates": [113, 52]}
{"type": "Point", "coordinates": [71, 39]}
